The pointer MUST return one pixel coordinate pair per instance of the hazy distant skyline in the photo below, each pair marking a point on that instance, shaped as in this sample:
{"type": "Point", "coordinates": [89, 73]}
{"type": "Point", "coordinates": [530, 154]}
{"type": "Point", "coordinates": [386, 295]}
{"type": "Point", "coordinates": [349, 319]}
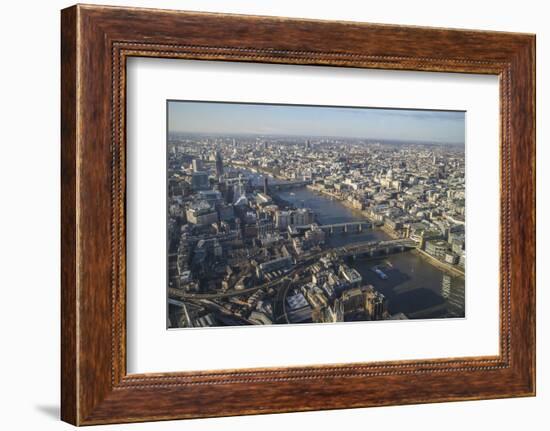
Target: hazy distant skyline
{"type": "Point", "coordinates": [301, 120]}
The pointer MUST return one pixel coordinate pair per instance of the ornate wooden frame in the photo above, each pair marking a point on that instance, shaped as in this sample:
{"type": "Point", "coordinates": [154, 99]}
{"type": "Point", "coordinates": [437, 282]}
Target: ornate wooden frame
{"type": "Point", "coordinates": [95, 43]}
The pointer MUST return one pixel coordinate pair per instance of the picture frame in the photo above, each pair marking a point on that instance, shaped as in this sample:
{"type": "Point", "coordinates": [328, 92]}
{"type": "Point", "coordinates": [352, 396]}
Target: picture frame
{"type": "Point", "coordinates": [96, 42]}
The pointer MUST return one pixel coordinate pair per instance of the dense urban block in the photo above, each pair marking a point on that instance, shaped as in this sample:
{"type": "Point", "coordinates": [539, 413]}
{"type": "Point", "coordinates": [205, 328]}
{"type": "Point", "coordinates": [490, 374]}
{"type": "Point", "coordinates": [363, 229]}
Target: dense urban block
{"type": "Point", "coordinates": [277, 229]}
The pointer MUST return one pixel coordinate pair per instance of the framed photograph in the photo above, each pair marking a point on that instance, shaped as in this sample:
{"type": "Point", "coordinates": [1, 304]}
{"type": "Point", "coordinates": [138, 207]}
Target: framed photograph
{"type": "Point", "coordinates": [264, 215]}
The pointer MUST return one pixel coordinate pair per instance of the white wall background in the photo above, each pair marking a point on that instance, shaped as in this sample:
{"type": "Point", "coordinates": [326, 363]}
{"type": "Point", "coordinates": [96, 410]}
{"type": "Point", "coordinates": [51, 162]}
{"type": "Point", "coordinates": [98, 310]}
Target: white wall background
{"type": "Point", "coordinates": [29, 215]}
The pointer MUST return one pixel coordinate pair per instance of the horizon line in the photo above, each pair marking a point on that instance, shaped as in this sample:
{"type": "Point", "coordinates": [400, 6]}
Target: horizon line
{"type": "Point", "coordinates": [224, 134]}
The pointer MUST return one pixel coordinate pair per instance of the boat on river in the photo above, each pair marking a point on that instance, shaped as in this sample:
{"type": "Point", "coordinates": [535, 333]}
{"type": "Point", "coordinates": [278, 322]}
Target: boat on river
{"type": "Point", "coordinates": [381, 274]}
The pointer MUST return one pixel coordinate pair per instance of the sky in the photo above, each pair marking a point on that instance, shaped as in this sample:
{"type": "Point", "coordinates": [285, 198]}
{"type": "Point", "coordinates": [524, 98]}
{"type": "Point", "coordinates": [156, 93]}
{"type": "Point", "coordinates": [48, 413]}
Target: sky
{"type": "Point", "coordinates": [301, 120]}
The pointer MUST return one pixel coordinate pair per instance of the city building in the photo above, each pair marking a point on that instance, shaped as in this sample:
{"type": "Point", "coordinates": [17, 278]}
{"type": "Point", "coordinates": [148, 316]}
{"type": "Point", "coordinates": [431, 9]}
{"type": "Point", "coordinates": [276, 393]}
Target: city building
{"type": "Point", "coordinates": [199, 181]}
{"type": "Point", "coordinates": [197, 165]}
{"type": "Point", "coordinates": [201, 214]}
{"type": "Point", "coordinates": [282, 219]}
{"type": "Point", "coordinates": [302, 217]}
{"type": "Point", "coordinates": [437, 248]}
{"type": "Point", "coordinates": [279, 264]}
{"type": "Point", "coordinates": [219, 164]}
{"type": "Point", "coordinates": [243, 219]}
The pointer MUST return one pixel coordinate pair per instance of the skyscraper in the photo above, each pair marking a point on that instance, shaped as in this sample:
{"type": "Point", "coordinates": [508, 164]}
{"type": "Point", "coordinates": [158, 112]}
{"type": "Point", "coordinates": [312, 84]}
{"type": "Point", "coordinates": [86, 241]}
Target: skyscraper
{"type": "Point", "coordinates": [266, 185]}
{"type": "Point", "coordinates": [197, 165]}
{"type": "Point", "coordinates": [199, 181]}
{"type": "Point", "coordinates": [219, 164]}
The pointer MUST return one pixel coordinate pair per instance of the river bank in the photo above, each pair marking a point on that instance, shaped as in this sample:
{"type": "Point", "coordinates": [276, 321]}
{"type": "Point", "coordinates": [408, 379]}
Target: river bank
{"type": "Point", "coordinates": [391, 233]}
{"type": "Point", "coordinates": [436, 262]}
{"type": "Point", "coordinates": [416, 285]}
{"type": "Point", "coordinates": [260, 171]}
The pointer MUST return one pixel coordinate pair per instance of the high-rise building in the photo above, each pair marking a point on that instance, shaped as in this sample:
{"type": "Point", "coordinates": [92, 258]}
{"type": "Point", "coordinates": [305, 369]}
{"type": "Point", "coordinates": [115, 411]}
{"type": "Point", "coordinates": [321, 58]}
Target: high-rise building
{"type": "Point", "coordinates": [377, 306]}
{"type": "Point", "coordinates": [282, 219]}
{"type": "Point", "coordinates": [219, 164]}
{"type": "Point", "coordinates": [266, 185]}
{"type": "Point", "coordinates": [265, 226]}
{"type": "Point", "coordinates": [225, 211]}
{"type": "Point", "coordinates": [364, 299]}
{"type": "Point", "coordinates": [239, 191]}
{"type": "Point", "coordinates": [197, 165]}
{"type": "Point", "coordinates": [302, 217]}
{"type": "Point", "coordinates": [199, 181]}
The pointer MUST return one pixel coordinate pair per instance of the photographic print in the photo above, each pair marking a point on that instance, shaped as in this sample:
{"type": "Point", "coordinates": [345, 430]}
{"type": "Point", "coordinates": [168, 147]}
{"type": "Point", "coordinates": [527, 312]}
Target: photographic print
{"type": "Point", "coordinates": [292, 214]}
{"type": "Point", "coordinates": [274, 195]}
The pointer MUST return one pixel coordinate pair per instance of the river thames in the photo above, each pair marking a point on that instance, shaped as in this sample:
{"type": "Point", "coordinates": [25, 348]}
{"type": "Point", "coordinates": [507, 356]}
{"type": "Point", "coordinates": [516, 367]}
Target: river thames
{"type": "Point", "coordinates": [414, 286]}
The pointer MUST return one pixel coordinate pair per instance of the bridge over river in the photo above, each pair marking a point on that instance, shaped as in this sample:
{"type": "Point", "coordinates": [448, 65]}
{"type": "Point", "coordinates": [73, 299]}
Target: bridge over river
{"type": "Point", "coordinates": [282, 186]}
{"type": "Point", "coordinates": [359, 250]}
{"type": "Point", "coordinates": [334, 228]}
{"type": "Point", "coordinates": [375, 248]}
